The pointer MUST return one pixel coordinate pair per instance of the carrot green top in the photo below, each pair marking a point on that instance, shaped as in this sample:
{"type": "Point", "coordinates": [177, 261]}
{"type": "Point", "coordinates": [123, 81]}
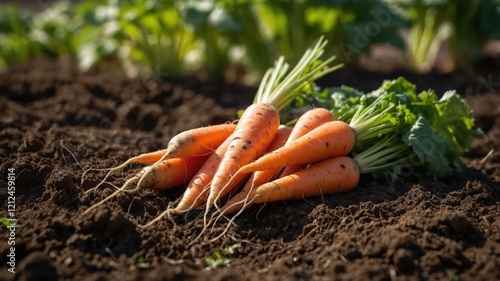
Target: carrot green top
{"type": "Point", "coordinates": [396, 127]}
{"type": "Point", "coordinates": [279, 86]}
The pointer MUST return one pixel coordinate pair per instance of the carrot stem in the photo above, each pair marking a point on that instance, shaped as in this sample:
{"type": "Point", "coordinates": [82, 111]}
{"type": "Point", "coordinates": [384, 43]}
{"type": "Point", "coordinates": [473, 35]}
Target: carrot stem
{"type": "Point", "coordinates": [384, 154]}
{"type": "Point", "coordinates": [280, 87]}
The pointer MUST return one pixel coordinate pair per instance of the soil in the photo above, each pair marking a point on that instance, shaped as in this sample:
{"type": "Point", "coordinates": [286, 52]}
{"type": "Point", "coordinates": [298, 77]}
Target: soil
{"type": "Point", "coordinates": [58, 122]}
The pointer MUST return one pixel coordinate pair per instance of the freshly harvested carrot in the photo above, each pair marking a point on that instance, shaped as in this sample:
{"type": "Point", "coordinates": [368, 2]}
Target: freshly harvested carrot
{"type": "Point", "coordinates": [198, 141]}
{"type": "Point", "coordinates": [166, 174]}
{"type": "Point", "coordinates": [260, 177]}
{"type": "Point", "coordinates": [145, 158]}
{"type": "Point", "coordinates": [330, 176]}
{"type": "Point", "coordinates": [252, 137]}
{"type": "Point", "coordinates": [188, 143]}
{"type": "Point", "coordinates": [197, 189]}
{"type": "Point", "coordinates": [309, 120]}
{"type": "Point", "coordinates": [306, 123]}
{"type": "Point", "coordinates": [195, 142]}
{"type": "Point", "coordinates": [335, 138]}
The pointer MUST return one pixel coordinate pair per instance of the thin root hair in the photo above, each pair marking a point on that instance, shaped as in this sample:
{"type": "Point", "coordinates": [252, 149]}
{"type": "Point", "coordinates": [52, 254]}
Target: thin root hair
{"type": "Point", "coordinates": [71, 153]}
{"type": "Point", "coordinates": [231, 221]}
{"type": "Point", "coordinates": [167, 212]}
{"type": "Point", "coordinates": [121, 189]}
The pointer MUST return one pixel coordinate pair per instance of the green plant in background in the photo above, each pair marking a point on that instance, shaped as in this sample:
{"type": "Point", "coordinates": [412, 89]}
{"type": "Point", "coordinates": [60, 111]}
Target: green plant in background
{"type": "Point", "coordinates": [140, 34]}
{"type": "Point", "coordinates": [54, 31]}
{"type": "Point", "coordinates": [158, 36]}
{"type": "Point", "coordinates": [49, 33]}
{"type": "Point", "coordinates": [212, 24]}
{"type": "Point", "coordinates": [15, 45]}
{"type": "Point", "coordinates": [429, 28]}
{"type": "Point", "coordinates": [352, 26]}
{"type": "Point", "coordinates": [175, 38]}
{"type": "Point", "coordinates": [368, 23]}
{"type": "Point", "coordinates": [100, 34]}
{"type": "Point", "coordinates": [473, 23]}
{"type": "Point", "coordinates": [465, 25]}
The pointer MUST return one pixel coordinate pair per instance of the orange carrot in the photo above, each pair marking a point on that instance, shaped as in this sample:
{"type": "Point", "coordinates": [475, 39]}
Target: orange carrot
{"type": "Point", "coordinates": [197, 189]}
{"type": "Point", "coordinates": [195, 142]}
{"type": "Point", "coordinates": [198, 141]}
{"type": "Point", "coordinates": [260, 177]}
{"type": "Point", "coordinates": [145, 158]}
{"type": "Point", "coordinates": [306, 123]}
{"type": "Point", "coordinates": [335, 138]}
{"type": "Point", "coordinates": [188, 143]}
{"type": "Point", "coordinates": [309, 120]}
{"type": "Point", "coordinates": [171, 172]}
{"type": "Point", "coordinates": [254, 133]}
{"type": "Point", "coordinates": [165, 174]}
{"type": "Point", "coordinates": [330, 176]}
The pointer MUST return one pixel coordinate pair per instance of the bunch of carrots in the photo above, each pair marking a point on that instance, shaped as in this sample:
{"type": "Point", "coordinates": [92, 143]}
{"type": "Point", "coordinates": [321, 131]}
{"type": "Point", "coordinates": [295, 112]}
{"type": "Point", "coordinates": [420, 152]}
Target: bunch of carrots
{"type": "Point", "coordinates": [259, 160]}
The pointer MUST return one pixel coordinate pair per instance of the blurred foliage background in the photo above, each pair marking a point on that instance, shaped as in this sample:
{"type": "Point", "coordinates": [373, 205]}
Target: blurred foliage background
{"type": "Point", "coordinates": [211, 38]}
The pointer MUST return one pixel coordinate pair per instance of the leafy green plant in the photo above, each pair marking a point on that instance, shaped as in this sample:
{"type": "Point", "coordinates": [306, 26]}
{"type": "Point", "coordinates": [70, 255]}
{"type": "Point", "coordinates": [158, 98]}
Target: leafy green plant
{"type": "Point", "coordinates": [474, 23]}
{"type": "Point", "coordinates": [15, 45]}
{"type": "Point", "coordinates": [140, 34]}
{"type": "Point", "coordinates": [59, 30]}
{"type": "Point", "coordinates": [54, 31]}
{"type": "Point", "coordinates": [175, 38]}
{"type": "Point", "coordinates": [100, 35]}
{"type": "Point", "coordinates": [158, 36]}
{"type": "Point", "coordinates": [352, 26]}
{"type": "Point", "coordinates": [254, 37]}
{"type": "Point", "coordinates": [221, 258]}
{"type": "Point", "coordinates": [211, 23]}
{"type": "Point", "coordinates": [429, 28]}
{"type": "Point", "coordinates": [465, 25]}
{"type": "Point", "coordinates": [6, 222]}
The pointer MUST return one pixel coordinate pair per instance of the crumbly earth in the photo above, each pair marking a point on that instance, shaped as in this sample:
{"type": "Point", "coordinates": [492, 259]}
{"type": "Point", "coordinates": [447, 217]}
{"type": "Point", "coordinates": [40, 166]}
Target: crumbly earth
{"type": "Point", "coordinates": [56, 123]}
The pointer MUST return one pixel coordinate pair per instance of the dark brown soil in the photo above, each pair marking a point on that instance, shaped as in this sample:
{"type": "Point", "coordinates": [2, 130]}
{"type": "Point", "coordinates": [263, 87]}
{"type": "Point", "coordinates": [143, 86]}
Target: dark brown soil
{"type": "Point", "coordinates": [57, 122]}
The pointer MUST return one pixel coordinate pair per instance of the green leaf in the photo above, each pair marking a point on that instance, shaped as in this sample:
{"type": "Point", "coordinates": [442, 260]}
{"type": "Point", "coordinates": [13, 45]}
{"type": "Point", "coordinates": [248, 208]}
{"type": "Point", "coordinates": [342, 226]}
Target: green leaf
{"type": "Point", "coordinates": [455, 120]}
{"type": "Point", "coordinates": [429, 147]}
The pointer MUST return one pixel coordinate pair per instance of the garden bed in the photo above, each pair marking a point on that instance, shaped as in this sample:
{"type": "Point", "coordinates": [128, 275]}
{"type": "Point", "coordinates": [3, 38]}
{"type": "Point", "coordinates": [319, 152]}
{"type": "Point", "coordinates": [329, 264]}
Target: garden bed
{"type": "Point", "coordinates": [57, 122]}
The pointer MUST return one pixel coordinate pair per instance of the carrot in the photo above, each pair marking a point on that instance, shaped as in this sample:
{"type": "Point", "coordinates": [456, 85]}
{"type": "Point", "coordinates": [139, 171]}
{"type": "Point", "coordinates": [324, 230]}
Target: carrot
{"type": "Point", "coordinates": [330, 176]}
{"type": "Point", "coordinates": [198, 141]}
{"type": "Point", "coordinates": [145, 158]}
{"type": "Point", "coordinates": [194, 142]}
{"type": "Point", "coordinates": [253, 135]}
{"type": "Point", "coordinates": [197, 189]}
{"type": "Point", "coordinates": [334, 138]}
{"type": "Point", "coordinates": [164, 175]}
{"type": "Point", "coordinates": [260, 177]}
{"type": "Point", "coordinates": [307, 122]}
{"type": "Point", "coordinates": [188, 143]}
